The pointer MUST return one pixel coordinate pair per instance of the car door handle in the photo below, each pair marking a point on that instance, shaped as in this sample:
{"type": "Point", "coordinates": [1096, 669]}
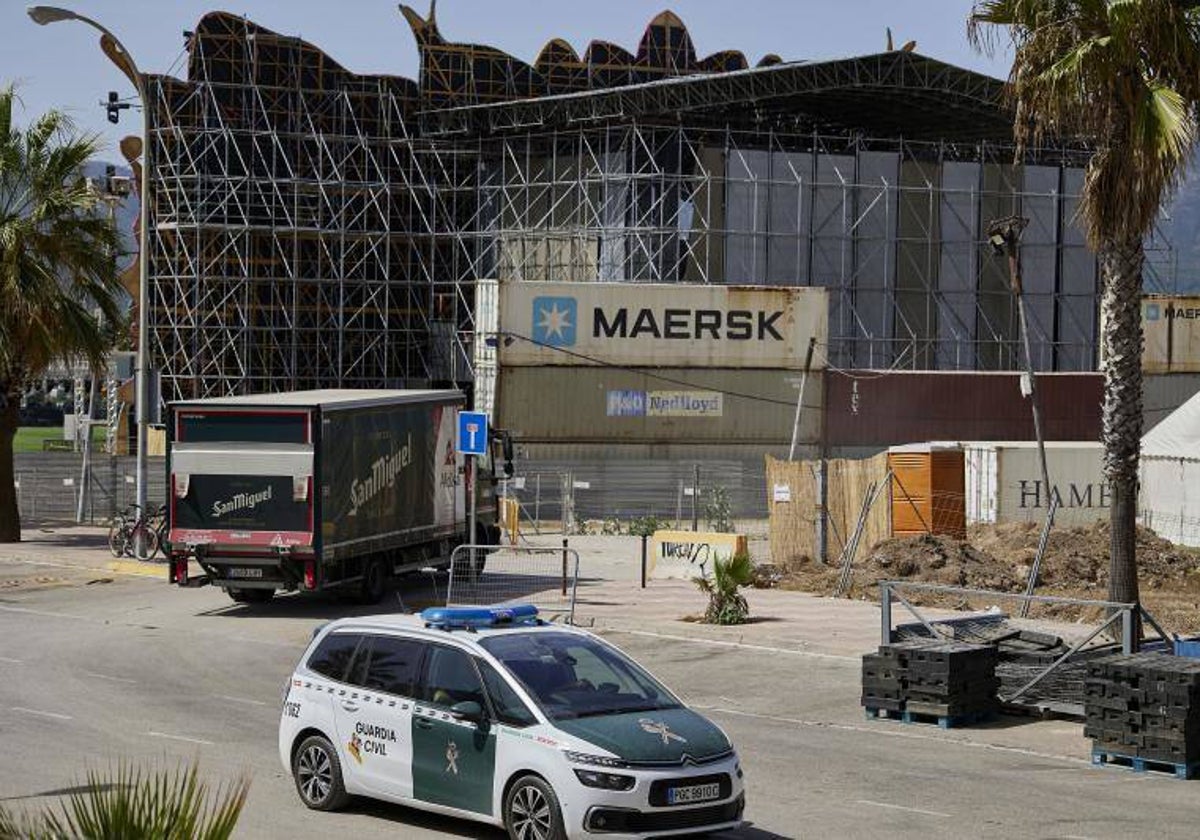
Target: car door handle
{"type": "Point", "coordinates": [424, 723]}
{"type": "Point", "coordinates": [349, 707]}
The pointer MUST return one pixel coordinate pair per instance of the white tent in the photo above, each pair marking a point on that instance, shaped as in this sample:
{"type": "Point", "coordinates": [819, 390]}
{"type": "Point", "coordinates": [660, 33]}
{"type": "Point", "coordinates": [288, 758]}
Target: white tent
{"type": "Point", "coordinates": [1177, 436]}
{"type": "Point", "coordinates": [1169, 501]}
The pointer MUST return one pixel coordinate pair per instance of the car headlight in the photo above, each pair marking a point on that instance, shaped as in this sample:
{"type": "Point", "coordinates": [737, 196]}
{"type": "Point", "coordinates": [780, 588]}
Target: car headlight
{"type": "Point", "coordinates": [607, 781]}
{"type": "Point", "coordinates": [594, 760]}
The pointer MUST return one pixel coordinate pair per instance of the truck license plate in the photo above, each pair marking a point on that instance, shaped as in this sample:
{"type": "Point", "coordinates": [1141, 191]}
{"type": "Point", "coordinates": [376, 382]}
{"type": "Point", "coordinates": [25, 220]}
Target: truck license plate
{"type": "Point", "coordinates": [693, 793]}
{"type": "Point", "coordinates": [245, 572]}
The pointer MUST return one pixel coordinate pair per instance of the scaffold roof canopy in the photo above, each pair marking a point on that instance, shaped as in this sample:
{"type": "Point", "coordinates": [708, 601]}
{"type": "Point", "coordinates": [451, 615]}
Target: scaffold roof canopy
{"type": "Point", "coordinates": [892, 94]}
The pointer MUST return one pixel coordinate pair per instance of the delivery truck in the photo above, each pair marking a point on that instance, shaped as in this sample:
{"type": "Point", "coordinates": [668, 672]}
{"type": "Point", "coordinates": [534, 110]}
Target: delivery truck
{"type": "Point", "coordinates": [319, 490]}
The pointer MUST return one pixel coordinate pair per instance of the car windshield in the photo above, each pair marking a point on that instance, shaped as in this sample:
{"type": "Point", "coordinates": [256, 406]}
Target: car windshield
{"type": "Point", "coordinates": [574, 676]}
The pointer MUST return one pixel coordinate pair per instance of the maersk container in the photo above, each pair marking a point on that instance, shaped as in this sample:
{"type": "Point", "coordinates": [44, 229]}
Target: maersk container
{"type": "Point", "coordinates": [318, 489]}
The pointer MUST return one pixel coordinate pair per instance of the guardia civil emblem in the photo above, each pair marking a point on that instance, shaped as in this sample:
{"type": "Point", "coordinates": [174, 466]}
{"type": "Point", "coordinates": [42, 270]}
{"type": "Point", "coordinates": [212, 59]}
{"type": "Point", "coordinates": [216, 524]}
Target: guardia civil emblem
{"type": "Point", "coordinates": [355, 747]}
{"type": "Point", "coordinates": [656, 727]}
{"type": "Point", "coordinates": [452, 758]}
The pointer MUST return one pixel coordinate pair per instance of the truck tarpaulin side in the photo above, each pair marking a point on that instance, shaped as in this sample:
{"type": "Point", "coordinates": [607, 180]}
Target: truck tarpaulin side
{"type": "Point", "coordinates": [378, 472]}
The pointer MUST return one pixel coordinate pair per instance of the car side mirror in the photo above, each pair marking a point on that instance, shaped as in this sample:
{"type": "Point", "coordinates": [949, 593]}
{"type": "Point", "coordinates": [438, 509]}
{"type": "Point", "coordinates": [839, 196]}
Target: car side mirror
{"type": "Point", "coordinates": [467, 710]}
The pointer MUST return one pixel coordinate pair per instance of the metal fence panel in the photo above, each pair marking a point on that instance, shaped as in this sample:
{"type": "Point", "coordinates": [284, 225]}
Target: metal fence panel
{"type": "Point", "coordinates": [48, 486]}
{"type": "Point", "coordinates": [573, 493]}
{"type": "Point", "coordinates": [545, 577]}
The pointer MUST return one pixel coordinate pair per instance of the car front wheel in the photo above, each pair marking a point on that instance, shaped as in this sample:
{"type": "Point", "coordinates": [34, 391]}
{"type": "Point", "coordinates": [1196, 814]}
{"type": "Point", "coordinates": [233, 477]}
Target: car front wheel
{"type": "Point", "coordinates": [318, 775]}
{"type": "Point", "coordinates": [532, 812]}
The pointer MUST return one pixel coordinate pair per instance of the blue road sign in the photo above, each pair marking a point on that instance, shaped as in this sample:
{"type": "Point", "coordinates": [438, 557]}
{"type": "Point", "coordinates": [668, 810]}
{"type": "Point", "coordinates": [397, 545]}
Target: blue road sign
{"type": "Point", "coordinates": [472, 432]}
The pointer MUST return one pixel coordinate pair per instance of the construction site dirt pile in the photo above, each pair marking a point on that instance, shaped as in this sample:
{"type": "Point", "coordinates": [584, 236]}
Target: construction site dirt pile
{"type": "Point", "coordinates": [999, 558]}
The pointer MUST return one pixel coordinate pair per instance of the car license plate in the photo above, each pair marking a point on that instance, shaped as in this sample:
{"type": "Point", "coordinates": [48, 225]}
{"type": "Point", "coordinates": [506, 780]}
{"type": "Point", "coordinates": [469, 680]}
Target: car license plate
{"type": "Point", "coordinates": [693, 793]}
{"type": "Point", "coordinates": [245, 572]}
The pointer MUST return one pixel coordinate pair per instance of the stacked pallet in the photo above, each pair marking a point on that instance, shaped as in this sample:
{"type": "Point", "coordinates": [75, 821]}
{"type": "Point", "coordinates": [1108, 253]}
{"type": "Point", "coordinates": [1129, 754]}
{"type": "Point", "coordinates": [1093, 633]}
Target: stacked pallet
{"type": "Point", "coordinates": [1144, 709]}
{"type": "Point", "coordinates": [953, 682]}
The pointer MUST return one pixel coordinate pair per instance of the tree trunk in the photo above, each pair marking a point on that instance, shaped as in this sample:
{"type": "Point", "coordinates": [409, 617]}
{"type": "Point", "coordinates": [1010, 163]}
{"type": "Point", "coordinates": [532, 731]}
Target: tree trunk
{"type": "Point", "coordinates": [10, 419]}
{"type": "Point", "coordinates": [1122, 324]}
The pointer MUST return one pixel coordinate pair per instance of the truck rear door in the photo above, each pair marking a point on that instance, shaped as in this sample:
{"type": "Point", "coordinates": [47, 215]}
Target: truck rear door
{"type": "Point", "coordinates": [242, 478]}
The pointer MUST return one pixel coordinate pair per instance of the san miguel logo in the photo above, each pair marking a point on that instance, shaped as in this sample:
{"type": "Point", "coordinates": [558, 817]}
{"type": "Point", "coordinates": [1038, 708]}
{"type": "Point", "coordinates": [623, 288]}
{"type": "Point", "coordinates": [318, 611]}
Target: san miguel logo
{"type": "Point", "coordinates": [556, 323]}
{"type": "Point", "coordinates": [382, 476]}
{"type": "Point", "coordinates": [241, 501]}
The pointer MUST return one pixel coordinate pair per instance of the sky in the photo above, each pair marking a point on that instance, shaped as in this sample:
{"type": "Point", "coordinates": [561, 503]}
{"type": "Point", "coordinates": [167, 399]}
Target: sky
{"type": "Point", "coordinates": [61, 66]}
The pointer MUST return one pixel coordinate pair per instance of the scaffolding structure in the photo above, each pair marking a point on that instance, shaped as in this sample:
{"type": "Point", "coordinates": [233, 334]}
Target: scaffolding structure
{"type": "Point", "coordinates": [297, 228]}
{"type": "Point", "coordinates": [315, 228]}
{"type": "Point", "coordinates": [894, 229]}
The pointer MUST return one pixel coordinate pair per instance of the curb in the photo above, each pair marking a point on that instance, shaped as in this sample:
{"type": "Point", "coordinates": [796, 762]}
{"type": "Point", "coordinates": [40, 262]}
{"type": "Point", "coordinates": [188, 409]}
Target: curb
{"type": "Point", "coordinates": [137, 568]}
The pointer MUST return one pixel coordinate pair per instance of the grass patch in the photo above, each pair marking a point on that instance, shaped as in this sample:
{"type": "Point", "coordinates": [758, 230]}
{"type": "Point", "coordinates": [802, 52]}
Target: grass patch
{"type": "Point", "coordinates": [29, 438]}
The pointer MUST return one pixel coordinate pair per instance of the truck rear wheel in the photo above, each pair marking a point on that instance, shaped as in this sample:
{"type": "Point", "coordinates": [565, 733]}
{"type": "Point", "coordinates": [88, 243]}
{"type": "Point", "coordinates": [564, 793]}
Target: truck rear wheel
{"type": "Point", "coordinates": [251, 596]}
{"type": "Point", "coordinates": [374, 583]}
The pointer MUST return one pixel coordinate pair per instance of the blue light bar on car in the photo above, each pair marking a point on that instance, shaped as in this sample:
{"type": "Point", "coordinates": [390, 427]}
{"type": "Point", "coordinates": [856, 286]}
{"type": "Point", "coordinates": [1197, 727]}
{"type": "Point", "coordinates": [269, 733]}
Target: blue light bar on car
{"type": "Point", "coordinates": [449, 618]}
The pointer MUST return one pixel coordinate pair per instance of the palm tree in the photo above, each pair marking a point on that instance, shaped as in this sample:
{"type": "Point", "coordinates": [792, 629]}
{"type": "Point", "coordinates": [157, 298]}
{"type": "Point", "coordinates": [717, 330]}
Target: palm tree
{"type": "Point", "coordinates": [56, 267]}
{"type": "Point", "coordinates": [1123, 75]}
{"type": "Point", "coordinates": [726, 604]}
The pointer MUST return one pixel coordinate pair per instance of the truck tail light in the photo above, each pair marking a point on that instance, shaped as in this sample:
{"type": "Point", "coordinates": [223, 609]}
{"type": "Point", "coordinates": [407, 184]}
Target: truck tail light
{"type": "Point", "coordinates": [310, 574]}
{"type": "Point", "coordinates": [300, 488]}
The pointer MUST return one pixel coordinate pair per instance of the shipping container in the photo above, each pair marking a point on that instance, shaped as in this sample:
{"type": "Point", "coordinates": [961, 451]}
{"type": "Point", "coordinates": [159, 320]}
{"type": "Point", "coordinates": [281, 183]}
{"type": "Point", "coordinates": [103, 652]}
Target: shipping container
{"type": "Point", "coordinates": [927, 490]}
{"type": "Point", "coordinates": [1171, 326]}
{"type": "Point", "coordinates": [674, 406]}
{"type": "Point", "coordinates": [1004, 482]}
{"type": "Point", "coordinates": [660, 325]}
{"type": "Point", "coordinates": [315, 489]}
{"type": "Point", "coordinates": [878, 408]}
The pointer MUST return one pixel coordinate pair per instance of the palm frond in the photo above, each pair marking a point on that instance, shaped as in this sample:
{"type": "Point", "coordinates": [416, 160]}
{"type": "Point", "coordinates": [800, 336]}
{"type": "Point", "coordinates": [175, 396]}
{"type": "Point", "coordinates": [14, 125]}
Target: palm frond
{"type": "Point", "coordinates": [57, 248]}
{"type": "Point", "coordinates": [725, 603]}
{"type": "Point", "coordinates": [1165, 124]}
{"type": "Point", "coordinates": [1121, 74]}
{"type": "Point", "coordinates": [172, 804]}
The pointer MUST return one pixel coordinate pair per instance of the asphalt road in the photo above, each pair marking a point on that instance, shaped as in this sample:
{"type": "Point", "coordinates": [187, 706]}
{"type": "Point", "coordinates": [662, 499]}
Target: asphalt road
{"type": "Point", "coordinates": [94, 671]}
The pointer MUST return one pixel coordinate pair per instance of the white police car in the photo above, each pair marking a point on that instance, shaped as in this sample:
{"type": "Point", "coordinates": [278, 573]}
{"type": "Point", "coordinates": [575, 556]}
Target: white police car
{"type": "Point", "coordinates": [497, 716]}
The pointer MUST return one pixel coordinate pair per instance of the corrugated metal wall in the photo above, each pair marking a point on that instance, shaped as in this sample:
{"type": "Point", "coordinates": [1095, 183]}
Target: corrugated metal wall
{"type": "Point", "coordinates": [572, 405]}
{"type": "Point", "coordinates": [1170, 325]}
{"type": "Point", "coordinates": [873, 409]}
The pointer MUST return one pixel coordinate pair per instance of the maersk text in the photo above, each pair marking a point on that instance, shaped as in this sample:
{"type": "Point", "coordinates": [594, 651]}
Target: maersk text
{"type": "Point", "coordinates": [686, 324]}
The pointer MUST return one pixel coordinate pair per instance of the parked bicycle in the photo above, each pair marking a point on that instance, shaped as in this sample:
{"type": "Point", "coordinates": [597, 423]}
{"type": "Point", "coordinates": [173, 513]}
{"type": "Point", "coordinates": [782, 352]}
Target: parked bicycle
{"type": "Point", "coordinates": [159, 523]}
{"type": "Point", "coordinates": [134, 535]}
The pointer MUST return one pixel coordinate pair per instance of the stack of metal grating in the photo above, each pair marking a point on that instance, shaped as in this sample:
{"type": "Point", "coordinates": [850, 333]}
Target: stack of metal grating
{"type": "Point", "coordinates": [1144, 706]}
{"type": "Point", "coordinates": [948, 680]}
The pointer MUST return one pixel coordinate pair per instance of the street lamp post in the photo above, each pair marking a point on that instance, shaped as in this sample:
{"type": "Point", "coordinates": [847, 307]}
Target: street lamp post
{"type": "Point", "coordinates": [115, 50]}
{"type": "Point", "coordinates": [1005, 237]}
